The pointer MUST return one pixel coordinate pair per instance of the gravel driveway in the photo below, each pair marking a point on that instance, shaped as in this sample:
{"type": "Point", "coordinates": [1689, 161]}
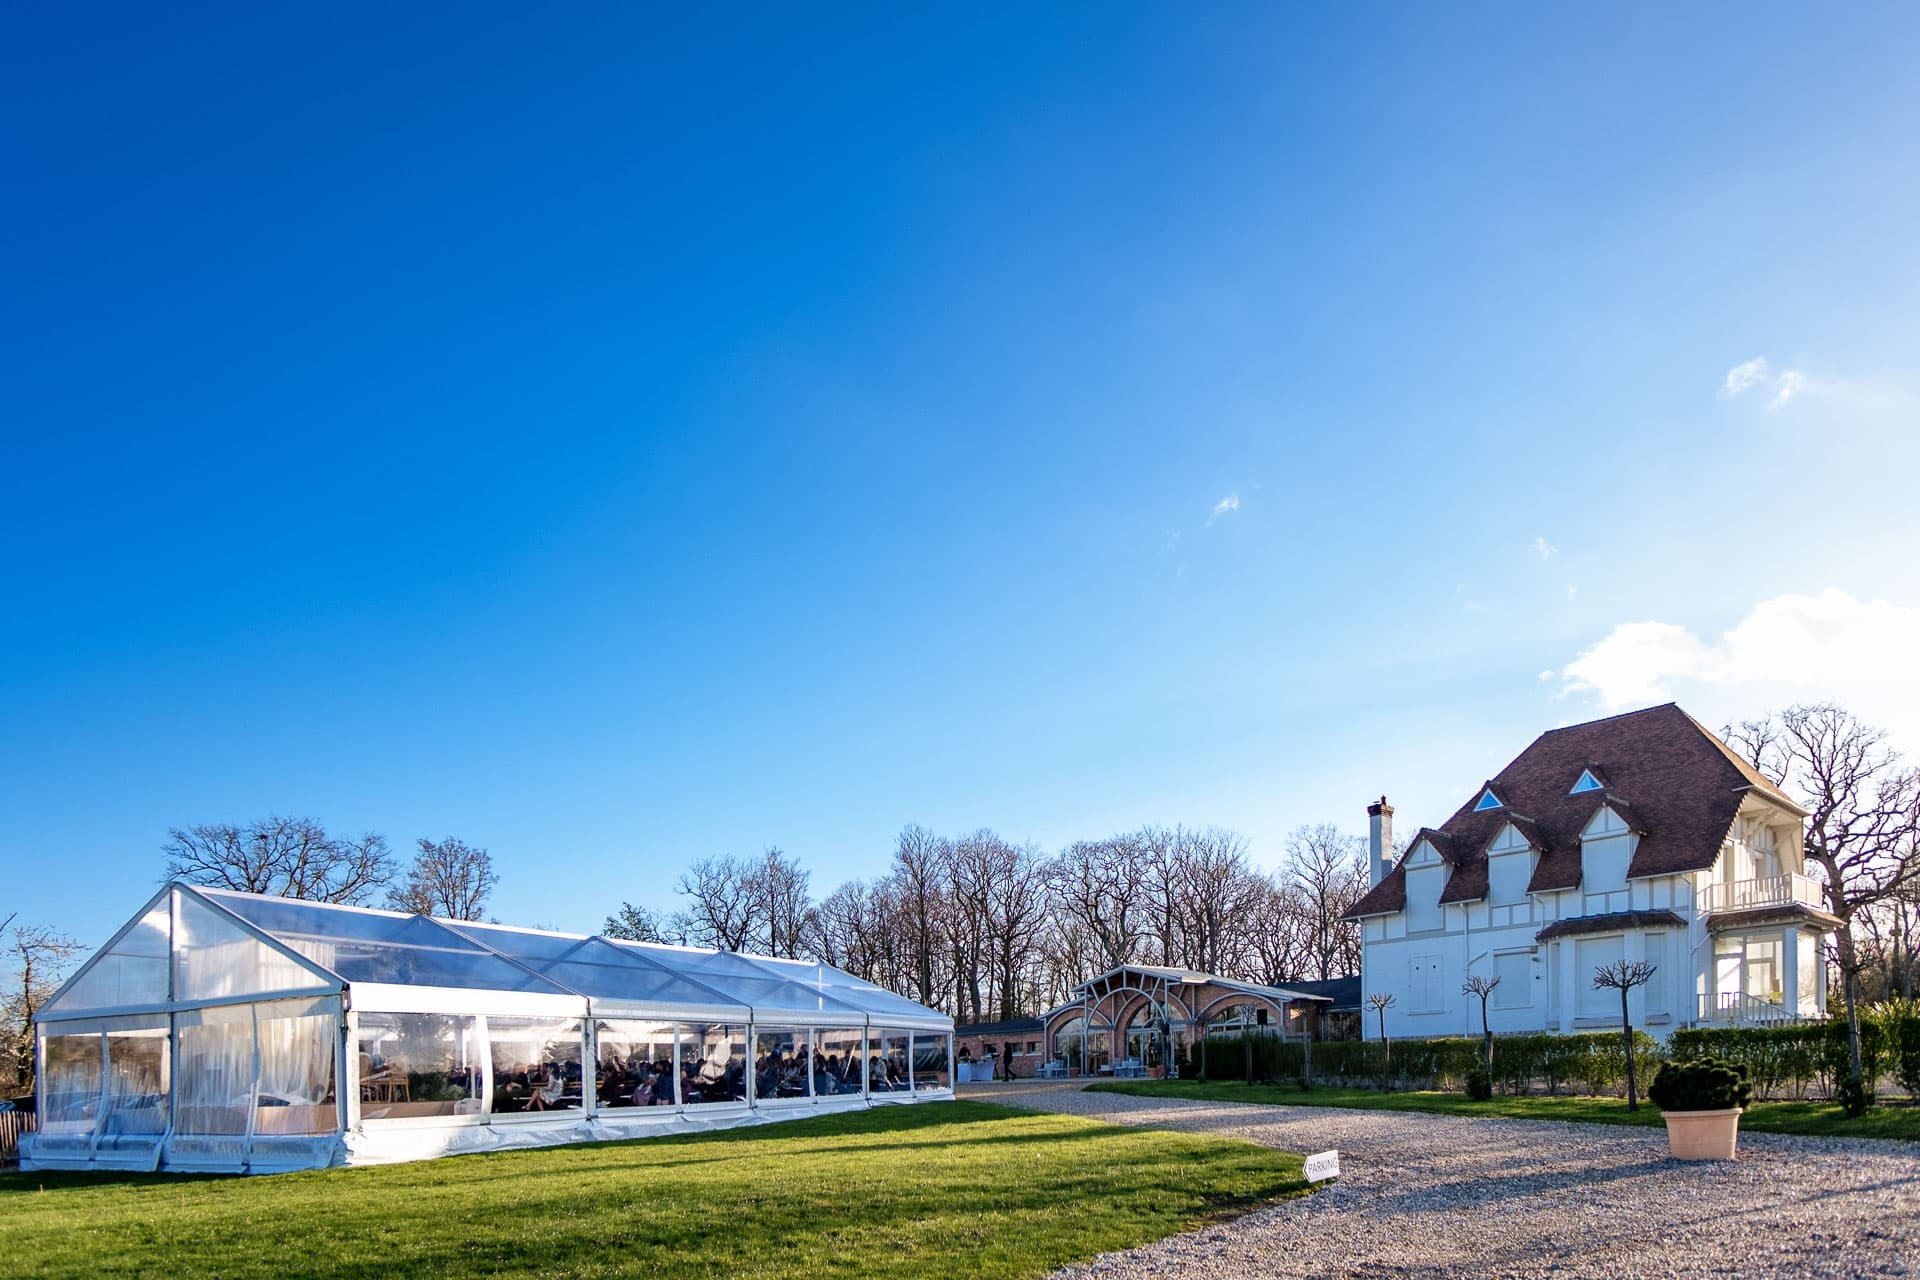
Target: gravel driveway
{"type": "Point", "coordinates": [1446, 1195]}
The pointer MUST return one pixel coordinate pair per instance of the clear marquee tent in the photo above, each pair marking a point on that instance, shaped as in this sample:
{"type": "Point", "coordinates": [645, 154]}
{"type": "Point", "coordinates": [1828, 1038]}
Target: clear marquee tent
{"type": "Point", "coordinates": [229, 1031]}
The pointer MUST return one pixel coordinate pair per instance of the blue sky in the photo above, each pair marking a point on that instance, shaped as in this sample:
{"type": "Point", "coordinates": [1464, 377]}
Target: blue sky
{"type": "Point", "coordinates": [613, 440]}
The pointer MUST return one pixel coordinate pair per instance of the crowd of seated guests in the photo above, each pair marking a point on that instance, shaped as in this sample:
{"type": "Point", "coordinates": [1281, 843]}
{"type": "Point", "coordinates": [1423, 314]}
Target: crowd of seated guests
{"type": "Point", "coordinates": [635, 1083]}
{"type": "Point", "coordinates": [537, 1086]}
{"type": "Point", "coordinates": [640, 1082]}
{"type": "Point", "coordinates": [785, 1075]}
{"type": "Point", "coordinates": [888, 1074]}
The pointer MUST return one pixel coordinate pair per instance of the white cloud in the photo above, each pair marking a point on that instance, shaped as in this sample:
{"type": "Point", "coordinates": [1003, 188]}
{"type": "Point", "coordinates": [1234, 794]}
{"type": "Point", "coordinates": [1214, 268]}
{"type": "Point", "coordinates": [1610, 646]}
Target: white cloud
{"type": "Point", "coordinates": [1572, 591]}
{"type": "Point", "coordinates": [1791, 648]}
{"type": "Point", "coordinates": [1789, 384]}
{"type": "Point", "coordinates": [1743, 376]}
{"type": "Point", "coordinates": [1546, 675]}
{"type": "Point", "coordinates": [1225, 506]}
{"type": "Point", "coordinates": [1785, 385]}
{"type": "Point", "coordinates": [1544, 549]}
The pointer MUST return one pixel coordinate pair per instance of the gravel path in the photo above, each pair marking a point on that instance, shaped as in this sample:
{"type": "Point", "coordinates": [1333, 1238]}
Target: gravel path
{"type": "Point", "coordinates": [1446, 1195]}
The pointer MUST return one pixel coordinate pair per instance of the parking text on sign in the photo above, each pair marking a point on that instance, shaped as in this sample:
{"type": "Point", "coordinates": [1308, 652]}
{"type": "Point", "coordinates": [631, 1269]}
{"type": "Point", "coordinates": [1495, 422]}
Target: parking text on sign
{"type": "Point", "coordinates": [1323, 1166]}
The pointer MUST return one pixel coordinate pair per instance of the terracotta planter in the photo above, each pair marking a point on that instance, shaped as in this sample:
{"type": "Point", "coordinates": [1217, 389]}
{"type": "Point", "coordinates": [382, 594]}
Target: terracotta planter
{"type": "Point", "coordinates": [1702, 1135]}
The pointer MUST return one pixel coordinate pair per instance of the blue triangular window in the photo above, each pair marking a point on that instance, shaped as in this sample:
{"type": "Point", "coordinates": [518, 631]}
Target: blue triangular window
{"type": "Point", "coordinates": [1487, 800]}
{"type": "Point", "coordinates": [1587, 782]}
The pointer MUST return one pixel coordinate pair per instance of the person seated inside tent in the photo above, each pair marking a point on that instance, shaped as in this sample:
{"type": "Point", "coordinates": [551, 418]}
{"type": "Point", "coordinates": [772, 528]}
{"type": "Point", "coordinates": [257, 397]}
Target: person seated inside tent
{"type": "Point", "coordinates": [655, 1088]}
{"type": "Point", "coordinates": [877, 1075]}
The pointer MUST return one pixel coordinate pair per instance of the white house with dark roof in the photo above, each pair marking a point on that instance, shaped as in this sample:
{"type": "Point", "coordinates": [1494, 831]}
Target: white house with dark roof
{"type": "Point", "coordinates": [1640, 837]}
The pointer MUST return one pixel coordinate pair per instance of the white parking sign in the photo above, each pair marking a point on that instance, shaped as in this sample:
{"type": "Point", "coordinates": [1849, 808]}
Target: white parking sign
{"type": "Point", "coordinates": [1323, 1166]}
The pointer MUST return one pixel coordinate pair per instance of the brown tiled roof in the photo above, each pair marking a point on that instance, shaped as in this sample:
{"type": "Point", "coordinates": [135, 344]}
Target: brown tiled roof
{"type": "Point", "coordinates": [1388, 896]}
{"type": "Point", "coordinates": [1609, 922]}
{"type": "Point", "coordinates": [1666, 776]}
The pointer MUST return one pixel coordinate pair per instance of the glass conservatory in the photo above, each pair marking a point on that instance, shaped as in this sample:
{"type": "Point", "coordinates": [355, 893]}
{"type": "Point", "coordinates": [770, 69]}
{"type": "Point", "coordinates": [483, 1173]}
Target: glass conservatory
{"type": "Point", "coordinates": [228, 1031]}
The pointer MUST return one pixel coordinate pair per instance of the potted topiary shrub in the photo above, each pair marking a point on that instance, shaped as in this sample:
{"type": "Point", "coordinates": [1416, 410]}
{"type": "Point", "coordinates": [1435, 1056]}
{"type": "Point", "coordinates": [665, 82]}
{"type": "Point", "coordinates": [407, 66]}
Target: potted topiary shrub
{"type": "Point", "coordinates": [1702, 1101]}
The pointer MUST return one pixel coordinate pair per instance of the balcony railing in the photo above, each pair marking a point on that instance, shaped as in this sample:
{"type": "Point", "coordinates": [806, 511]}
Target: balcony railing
{"type": "Point", "coordinates": [1738, 1009]}
{"type": "Point", "coordinates": [1768, 891]}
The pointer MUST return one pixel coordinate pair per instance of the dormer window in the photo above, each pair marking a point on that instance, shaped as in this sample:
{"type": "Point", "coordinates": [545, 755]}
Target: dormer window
{"type": "Point", "coordinates": [1587, 782]}
{"type": "Point", "coordinates": [1487, 800]}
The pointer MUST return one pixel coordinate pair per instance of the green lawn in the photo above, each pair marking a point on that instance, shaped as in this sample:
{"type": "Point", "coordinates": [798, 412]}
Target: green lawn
{"type": "Point", "coordinates": [1822, 1119]}
{"type": "Point", "coordinates": [962, 1188]}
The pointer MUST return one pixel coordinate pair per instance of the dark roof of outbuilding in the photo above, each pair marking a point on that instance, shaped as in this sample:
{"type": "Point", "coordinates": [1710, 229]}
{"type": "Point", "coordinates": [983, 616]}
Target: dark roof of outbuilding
{"type": "Point", "coordinates": [1344, 992]}
{"type": "Point", "coordinates": [1008, 1027]}
{"type": "Point", "coordinates": [1609, 922]}
{"type": "Point", "coordinates": [1667, 777]}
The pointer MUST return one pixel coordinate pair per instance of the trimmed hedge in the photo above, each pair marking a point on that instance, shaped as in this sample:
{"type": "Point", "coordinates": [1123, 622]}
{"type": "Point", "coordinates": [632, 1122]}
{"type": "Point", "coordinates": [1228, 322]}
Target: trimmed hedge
{"type": "Point", "coordinates": [1594, 1063]}
{"type": "Point", "coordinates": [1812, 1058]}
{"type": "Point", "coordinates": [1781, 1062]}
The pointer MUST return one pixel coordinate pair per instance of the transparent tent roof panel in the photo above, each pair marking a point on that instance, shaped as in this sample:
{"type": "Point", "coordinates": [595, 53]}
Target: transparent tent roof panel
{"type": "Point", "coordinates": [378, 946]}
{"type": "Point", "coordinates": [759, 986]}
{"type": "Point", "coordinates": [601, 970]}
{"type": "Point", "coordinates": [849, 990]}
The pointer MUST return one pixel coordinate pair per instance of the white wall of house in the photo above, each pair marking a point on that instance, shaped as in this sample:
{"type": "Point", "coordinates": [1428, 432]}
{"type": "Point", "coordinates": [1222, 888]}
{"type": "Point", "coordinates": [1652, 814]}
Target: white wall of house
{"type": "Point", "coordinates": [1422, 954]}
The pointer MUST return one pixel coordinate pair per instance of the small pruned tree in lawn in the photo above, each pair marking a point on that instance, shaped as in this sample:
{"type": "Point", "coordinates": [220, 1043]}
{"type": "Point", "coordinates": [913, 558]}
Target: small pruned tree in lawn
{"type": "Point", "coordinates": [1623, 976]}
{"type": "Point", "coordinates": [1482, 986]}
{"type": "Point", "coordinates": [1380, 1002]}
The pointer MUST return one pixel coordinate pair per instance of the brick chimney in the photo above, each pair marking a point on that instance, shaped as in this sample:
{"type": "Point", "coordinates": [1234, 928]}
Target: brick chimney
{"type": "Point", "coordinates": [1379, 840]}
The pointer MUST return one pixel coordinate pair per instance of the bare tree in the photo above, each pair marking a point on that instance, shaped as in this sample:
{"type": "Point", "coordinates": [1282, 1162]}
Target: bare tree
{"type": "Point", "coordinates": [1158, 849]}
{"type": "Point", "coordinates": [723, 907]}
{"type": "Point", "coordinates": [450, 879]}
{"type": "Point", "coordinates": [633, 923]}
{"type": "Point", "coordinates": [1278, 940]}
{"type": "Point", "coordinates": [287, 857]}
{"type": "Point", "coordinates": [1215, 895]}
{"type": "Point", "coordinates": [920, 872]}
{"type": "Point", "coordinates": [1101, 885]}
{"type": "Point", "coordinates": [1324, 875]}
{"type": "Point", "coordinates": [1482, 986]}
{"type": "Point", "coordinates": [39, 958]}
{"type": "Point", "coordinates": [781, 905]}
{"type": "Point", "coordinates": [1863, 822]}
{"type": "Point", "coordinates": [1016, 908]}
{"type": "Point", "coordinates": [1623, 976]}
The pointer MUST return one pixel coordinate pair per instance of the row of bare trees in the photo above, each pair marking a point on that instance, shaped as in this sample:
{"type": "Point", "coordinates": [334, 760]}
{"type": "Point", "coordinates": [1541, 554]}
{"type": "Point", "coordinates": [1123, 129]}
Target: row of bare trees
{"type": "Point", "coordinates": [299, 858]}
{"type": "Point", "coordinates": [984, 928]}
